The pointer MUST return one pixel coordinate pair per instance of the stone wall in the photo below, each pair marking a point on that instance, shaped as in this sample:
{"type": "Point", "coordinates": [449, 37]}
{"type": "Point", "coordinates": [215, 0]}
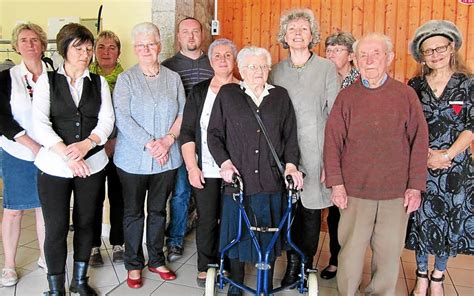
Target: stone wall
{"type": "Point", "coordinates": [167, 13]}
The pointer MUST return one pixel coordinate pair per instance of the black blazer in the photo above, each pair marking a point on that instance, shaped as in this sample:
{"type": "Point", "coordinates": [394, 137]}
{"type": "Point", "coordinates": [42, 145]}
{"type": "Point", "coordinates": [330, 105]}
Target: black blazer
{"type": "Point", "coordinates": [190, 126]}
{"type": "Point", "coordinates": [9, 127]}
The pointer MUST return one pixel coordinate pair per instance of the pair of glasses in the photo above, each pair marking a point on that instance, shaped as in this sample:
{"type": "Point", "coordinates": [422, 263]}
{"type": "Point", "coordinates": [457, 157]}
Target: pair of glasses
{"type": "Point", "coordinates": [255, 67]}
{"type": "Point", "coordinates": [86, 50]}
{"type": "Point", "coordinates": [439, 49]}
{"type": "Point", "coordinates": [227, 56]}
{"type": "Point", "coordinates": [335, 51]}
{"type": "Point", "coordinates": [142, 46]}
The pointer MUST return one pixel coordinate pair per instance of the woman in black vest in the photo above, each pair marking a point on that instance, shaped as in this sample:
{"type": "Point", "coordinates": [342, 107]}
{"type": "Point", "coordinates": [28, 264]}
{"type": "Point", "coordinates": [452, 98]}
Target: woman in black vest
{"type": "Point", "coordinates": [73, 116]}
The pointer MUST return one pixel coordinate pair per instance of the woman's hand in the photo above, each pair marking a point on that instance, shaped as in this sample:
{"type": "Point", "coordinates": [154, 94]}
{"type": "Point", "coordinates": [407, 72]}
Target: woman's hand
{"type": "Point", "coordinates": [76, 151]}
{"type": "Point", "coordinates": [438, 159]}
{"type": "Point", "coordinates": [79, 168]}
{"type": "Point", "coordinates": [159, 148]}
{"type": "Point", "coordinates": [228, 170]}
{"type": "Point", "coordinates": [196, 178]}
{"type": "Point", "coordinates": [291, 170]}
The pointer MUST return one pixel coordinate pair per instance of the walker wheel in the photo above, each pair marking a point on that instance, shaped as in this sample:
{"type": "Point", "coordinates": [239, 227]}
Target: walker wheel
{"type": "Point", "coordinates": [312, 284]}
{"type": "Point", "coordinates": [210, 282]}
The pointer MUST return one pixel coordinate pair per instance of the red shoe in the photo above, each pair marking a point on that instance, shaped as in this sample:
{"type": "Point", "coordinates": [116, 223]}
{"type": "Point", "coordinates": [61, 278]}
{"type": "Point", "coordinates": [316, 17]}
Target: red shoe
{"type": "Point", "coordinates": [166, 276]}
{"type": "Point", "coordinates": [134, 283]}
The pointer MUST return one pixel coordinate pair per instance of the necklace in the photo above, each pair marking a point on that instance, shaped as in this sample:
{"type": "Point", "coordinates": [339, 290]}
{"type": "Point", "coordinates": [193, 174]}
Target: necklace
{"type": "Point", "coordinates": [152, 75]}
{"type": "Point", "coordinates": [29, 89]}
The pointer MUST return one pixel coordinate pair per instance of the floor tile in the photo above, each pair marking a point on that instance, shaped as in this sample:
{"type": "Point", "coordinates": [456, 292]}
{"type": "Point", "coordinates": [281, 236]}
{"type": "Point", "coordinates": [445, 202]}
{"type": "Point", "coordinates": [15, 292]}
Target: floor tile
{"type": "Point", "coordinates": [171, 289]}
{"type": "Point", "coordinates": [149, 286]}
{"type": "Point", "coordinates": [462, 277]}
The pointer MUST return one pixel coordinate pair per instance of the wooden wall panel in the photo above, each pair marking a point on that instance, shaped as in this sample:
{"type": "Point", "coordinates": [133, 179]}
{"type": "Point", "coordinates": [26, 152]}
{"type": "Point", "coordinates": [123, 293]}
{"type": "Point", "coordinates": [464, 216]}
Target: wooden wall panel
{"type": "Point", "coordinates": [256, 22]}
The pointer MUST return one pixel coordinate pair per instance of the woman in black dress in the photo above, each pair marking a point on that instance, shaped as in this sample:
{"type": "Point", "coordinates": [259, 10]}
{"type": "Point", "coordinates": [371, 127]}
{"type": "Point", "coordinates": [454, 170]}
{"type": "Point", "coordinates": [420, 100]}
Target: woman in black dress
{"type": "Point", "coordinates": [443, 226]}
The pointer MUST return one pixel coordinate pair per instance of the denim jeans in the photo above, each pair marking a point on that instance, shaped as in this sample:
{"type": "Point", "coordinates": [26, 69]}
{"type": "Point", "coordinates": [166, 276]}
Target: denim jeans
{"type": "Point", "coordinates": [422, 263]}
{"type": "Point", "coordinates": [179, 208]}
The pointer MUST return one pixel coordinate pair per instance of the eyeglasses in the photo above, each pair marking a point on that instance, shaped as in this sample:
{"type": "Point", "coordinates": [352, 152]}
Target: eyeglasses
{"type": "Point", "coordinates": [439, 49]}
{"type": "Point", "coordinates": [83, 49]}
{"type": "Point", "coordinates": [335, 51]}
{"type": "Point", "coordinates": [254, 67]}
{"type": "Point", "coordinates": [142, 46]}
{"type": "Point", "coordinates": [227, 56]}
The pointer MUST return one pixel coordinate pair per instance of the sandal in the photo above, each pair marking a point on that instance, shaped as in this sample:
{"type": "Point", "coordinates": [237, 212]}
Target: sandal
{"type": "Point", "coordinates": [9, 277]}
{"type": "Point", "coordinates": [420, 275]}
{"type": "Point", "coordinates": [437, 280]}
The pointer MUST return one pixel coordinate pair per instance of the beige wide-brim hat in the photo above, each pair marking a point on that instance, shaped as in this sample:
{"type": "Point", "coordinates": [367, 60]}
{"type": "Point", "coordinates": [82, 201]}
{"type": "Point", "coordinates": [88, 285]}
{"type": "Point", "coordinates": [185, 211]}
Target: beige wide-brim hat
{"type": "Point", "coordinates": [434, 28]}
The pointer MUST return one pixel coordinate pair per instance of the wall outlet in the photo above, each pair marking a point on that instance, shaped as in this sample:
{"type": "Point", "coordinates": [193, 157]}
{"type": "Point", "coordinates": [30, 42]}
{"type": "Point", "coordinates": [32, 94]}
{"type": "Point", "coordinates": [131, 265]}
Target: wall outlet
{"type": "Point", "coordinates": [215, 28]}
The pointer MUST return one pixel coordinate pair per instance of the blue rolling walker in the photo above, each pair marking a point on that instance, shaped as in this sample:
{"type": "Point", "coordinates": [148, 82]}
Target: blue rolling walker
{"type": "Point", "coordinates": [263, 264]}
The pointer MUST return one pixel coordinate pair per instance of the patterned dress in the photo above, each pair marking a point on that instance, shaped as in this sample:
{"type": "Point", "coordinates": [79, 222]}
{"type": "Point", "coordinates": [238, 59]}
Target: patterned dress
{"type": "Point", "coordinates": [444, 224]}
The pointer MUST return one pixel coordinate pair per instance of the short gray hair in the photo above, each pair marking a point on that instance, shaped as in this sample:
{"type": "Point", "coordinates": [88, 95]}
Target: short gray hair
{"type": "Point", "coordinates": [146, 28]}
{"type": "Point", "coordinates": [375, 36]}
{"type": "Point", "coordinates": [341, 38]}
{"type": "Point", "coordinates": [253, 51]}
{"type": "Point", "coordinates": [222, 41]}
{"type": "Point", "coordinates": [294, 14]}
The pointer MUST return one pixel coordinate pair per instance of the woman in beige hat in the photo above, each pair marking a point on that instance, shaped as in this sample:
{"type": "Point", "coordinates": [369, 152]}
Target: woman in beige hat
{"type": "Point", "coordinates": [443, 225]}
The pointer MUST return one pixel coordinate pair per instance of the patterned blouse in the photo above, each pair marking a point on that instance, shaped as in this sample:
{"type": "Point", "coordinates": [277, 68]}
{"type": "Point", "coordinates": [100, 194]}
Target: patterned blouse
{"type": "Point", "coordinates": [351, 78]}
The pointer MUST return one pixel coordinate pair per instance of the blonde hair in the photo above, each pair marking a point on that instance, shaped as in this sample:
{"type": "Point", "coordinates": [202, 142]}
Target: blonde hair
{"type": "Point", "coordinates": [32, 27]}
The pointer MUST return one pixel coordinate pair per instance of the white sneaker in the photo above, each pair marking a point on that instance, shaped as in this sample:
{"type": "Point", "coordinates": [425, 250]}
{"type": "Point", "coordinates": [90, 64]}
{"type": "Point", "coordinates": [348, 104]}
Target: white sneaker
{"type": "Point", "coordinates": [42, 264]}
{"type": "Point", "coordinates": [9, 277]}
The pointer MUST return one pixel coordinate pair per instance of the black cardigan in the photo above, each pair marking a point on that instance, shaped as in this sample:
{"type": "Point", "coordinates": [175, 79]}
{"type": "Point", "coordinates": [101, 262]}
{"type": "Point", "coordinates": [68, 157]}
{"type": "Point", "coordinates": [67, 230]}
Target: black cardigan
{"type": "Point", "coordinates": [9, 127]}
{"type": "Point", "coordinates": [190, 126]}
{"type": "Point", "coordinates": [234, 133]}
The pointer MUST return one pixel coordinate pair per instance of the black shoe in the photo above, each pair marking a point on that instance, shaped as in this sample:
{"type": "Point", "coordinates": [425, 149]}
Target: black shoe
{"type": "Point", "coordinates": [79, 280]}
{"type": "Point", "coordinates": [292, 269]}
{"type": "Point", "coordinates": [234, 291]}
{"type": "Point", "coordinates": [419, 276]}
{"type": "Point", "coordinates": [174, 253]}
{"type": "Point", "coordinates": [56, 285]}
{"type": "Point", "coordinates": [327, 275]}
{"type": "Point", "coordinates": [96, 258]}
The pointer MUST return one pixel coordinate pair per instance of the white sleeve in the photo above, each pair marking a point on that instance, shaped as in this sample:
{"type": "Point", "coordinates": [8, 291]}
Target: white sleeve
{"type": "Point", "coordinates": [105, 124]}
{"type": "Point", "coordinates": [43, 128]}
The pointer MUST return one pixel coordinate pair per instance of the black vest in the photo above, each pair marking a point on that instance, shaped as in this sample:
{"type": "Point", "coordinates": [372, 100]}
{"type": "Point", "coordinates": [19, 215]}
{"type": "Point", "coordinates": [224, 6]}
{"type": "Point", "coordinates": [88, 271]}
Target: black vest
{"type": "Point", "coordinates": [71, 123]}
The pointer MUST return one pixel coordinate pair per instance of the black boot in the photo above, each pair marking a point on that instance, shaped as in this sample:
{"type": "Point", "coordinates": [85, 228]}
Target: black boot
{"type": "Point", "coordinates": [79, 280]}
{"type": "Point", "coordinates": [292, 268]}
{"type": "Point", "coordinates": [56, 285]}
{"type": "Point", "coordinates": [237, 273]}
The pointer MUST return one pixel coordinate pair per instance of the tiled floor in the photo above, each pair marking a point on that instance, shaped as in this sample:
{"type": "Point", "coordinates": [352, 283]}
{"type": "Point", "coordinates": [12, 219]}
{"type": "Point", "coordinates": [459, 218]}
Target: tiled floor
{"type": "Point", "coordinates": [110, 279]}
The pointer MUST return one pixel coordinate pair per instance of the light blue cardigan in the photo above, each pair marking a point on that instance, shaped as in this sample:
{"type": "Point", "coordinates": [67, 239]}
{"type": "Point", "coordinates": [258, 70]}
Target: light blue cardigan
{"type": "Point", "coordinates": [146, 110]}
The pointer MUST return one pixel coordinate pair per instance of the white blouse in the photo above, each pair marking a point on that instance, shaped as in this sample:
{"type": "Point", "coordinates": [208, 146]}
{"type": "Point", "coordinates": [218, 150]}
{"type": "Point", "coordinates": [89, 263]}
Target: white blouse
{"type": "Point", "coordinates": [209, 167]}
{"type": "Point", "coordinates": [21, 106]}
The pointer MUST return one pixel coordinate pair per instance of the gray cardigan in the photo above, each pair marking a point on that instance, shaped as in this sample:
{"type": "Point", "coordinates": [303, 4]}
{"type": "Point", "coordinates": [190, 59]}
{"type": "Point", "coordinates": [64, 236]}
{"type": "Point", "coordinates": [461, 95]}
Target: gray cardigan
{"type": "Point", "coordinates": [312, 90]}
{"type": "Point", "coordinates": [146, 110]}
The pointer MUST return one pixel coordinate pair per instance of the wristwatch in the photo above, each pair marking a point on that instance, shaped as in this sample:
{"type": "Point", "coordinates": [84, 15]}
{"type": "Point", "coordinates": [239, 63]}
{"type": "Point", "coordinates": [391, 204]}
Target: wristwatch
{"type": "Point", "coordinates": [93, 143]}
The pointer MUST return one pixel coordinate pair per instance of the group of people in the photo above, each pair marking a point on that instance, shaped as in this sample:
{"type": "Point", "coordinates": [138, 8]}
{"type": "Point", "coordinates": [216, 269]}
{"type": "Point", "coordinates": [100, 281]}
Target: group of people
{"type": "Point", "coordinates": [379, 154]}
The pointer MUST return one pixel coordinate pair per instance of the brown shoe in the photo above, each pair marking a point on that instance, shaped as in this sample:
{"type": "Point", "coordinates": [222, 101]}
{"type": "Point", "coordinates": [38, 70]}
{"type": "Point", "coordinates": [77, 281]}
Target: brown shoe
{"type": "Point", "coordinates": [117, 254]}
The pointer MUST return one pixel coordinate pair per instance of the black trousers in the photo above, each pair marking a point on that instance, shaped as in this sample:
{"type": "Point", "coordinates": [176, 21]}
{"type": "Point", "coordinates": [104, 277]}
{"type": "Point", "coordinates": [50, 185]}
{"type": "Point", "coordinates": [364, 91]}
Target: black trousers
{"type": "Point", "coordinates": [305, 229]}
{"type": "Point", "coordinates": [208, 204]}
{"type": "Point", "coordinates": [333, 222]}
{"type": "Point", "coordinates": [114, 192]}
{"type": "Point", "coordinates": [135, 188]}
{"type": "Point", "coordinates": [55, 195]}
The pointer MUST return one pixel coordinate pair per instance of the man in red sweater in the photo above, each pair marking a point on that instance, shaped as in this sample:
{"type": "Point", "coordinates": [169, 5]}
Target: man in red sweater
{"type": "Point", "coordinates": [375, 155]}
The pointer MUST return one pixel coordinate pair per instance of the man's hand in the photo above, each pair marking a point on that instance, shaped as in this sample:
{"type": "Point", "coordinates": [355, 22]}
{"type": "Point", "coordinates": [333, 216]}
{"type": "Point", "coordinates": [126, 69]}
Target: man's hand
{"type": "Point", "coordinates": [339, 196]}
{"type": "Point", "coordinates": [412, 200]}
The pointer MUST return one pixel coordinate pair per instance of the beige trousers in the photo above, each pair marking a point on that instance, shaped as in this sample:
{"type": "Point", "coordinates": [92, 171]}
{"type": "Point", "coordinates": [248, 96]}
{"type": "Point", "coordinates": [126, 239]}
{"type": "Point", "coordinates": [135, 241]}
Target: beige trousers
{"type": "Point", "coordinates": [380, 223]}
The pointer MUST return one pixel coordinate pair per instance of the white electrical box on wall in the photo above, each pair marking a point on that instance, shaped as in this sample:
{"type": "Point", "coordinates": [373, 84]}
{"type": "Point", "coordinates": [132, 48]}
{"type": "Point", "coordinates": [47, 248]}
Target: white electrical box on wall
{"type": "Point", "coordinates": [56, 23]}
{"type": "Point", "coordinates": [215, 28]}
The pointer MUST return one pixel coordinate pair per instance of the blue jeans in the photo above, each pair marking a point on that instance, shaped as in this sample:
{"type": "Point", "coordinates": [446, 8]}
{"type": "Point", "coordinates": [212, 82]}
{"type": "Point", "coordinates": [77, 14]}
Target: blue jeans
{"type": "Point", "coordinates": [422, 263]}
{"type": "Point", "coordinates": [179, 208]}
